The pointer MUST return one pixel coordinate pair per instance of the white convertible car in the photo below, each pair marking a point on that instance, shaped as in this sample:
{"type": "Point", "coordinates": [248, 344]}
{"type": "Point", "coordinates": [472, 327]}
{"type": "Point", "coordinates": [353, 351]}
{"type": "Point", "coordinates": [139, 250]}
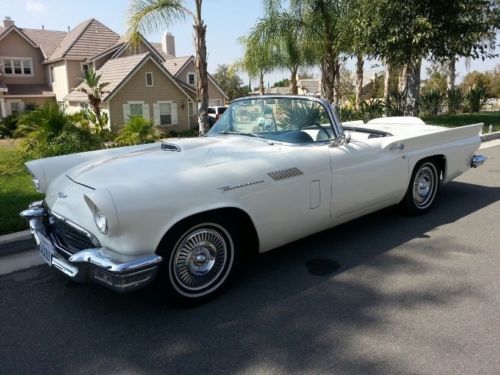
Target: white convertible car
{"type": "Point", "coordinates": [272, 170]}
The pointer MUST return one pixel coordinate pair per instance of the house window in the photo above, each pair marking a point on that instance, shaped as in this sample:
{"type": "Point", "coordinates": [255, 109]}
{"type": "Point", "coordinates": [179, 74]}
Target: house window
{"type": "Point", "coordinates": [165, 114]}
{"type": "Point", "coordinates": [52, 76]}
{"type": "Point", "coordinates": [149, 79]}
{"type": "Point", "coordinates": [191, 79]}
{"type": "Point", "coordinates": [17, 66]}
{"type": "Point", "coordinates": [85, 68]}
{"type": "Point", "coordinates": [135, 109]}
{"type": "Point", "coordinates": [14, 108]}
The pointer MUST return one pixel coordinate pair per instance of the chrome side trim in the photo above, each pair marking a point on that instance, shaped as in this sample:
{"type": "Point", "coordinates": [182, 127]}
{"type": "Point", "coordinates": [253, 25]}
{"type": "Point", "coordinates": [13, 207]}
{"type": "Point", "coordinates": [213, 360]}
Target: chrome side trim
{"type": "Point", "coordinates": [478, 160]}
{"type": "Point", "coordinates": [227, 188]}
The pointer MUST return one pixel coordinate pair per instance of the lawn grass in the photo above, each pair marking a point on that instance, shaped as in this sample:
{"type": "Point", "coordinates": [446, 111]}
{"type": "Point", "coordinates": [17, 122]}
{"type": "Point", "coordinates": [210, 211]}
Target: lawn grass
{"type": "Point", "coordinates": [488, 118]}
{"type": "Point", "coordinates": [16, 189]}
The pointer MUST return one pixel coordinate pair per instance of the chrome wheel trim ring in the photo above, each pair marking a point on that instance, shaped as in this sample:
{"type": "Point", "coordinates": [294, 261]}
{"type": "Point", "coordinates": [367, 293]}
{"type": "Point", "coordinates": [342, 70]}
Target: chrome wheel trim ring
{"type": "Point", "coordinates": [201, 260]}
{"type": "Point", "coordinates": [425, 186]}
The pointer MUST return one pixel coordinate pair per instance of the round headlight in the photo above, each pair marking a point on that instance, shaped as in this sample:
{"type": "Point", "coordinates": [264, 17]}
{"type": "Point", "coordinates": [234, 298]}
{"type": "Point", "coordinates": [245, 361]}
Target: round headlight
{"type": "Point", "coordinates": [100, 221]}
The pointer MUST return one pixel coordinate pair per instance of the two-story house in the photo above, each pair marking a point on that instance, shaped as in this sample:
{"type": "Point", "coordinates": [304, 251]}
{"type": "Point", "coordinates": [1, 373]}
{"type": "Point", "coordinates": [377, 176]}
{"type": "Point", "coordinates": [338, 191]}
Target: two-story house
{"type": "Point", "coordinates": [145, 80]}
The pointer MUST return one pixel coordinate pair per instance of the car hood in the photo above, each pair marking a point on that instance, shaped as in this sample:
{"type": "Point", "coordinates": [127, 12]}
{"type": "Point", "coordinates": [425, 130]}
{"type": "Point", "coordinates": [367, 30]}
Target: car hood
{"type": "Point", "coordinates": [183, 155]}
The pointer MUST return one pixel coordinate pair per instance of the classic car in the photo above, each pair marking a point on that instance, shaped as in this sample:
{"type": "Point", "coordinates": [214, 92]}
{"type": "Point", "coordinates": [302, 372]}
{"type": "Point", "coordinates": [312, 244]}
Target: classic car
{"type": "Point", "coordinates": [186, 210]}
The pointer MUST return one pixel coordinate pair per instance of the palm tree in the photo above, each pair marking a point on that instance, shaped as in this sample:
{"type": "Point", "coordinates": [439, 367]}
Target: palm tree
{"type": "Point", "coordinates": [94, 89]}
{"type": "Point", "coordinates": [155, 15]}
{"type": "Point", "coordinates": [257, 60]}
{"type": "Point", "coordinates": [281, 32]}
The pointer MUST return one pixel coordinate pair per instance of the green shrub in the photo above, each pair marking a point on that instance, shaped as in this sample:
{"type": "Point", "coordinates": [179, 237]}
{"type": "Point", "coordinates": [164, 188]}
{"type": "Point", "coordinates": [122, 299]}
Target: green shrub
{"type": "Point", "coordinates": [396, 104]}
{"type": "Point", "coordinates": [454, 100]}
{"type": "Point", "coordinates": [8, 126]}
{"type": "Point", "coordinates": [475, 98]}
{"type": "Point", "coordinates": [431, 102]}
{"type": "Point", "coordinates": [349, 114]}
{"type": "Point", "coordinates": [136, 131]}
{"type": "Point", "coordinates": [49, 131]}
{"type": "Point", "coordinates": [371, 109]}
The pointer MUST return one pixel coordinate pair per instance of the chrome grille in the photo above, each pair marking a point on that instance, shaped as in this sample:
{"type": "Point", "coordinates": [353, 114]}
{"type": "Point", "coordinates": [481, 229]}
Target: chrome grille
{"type": "Point", "coordinates": [71, 238]}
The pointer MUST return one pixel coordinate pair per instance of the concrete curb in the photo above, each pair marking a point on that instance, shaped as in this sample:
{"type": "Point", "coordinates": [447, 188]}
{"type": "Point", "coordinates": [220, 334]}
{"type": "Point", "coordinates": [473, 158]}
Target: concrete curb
{"type": "Point", "coordinates": [16, 242]}
{"type": "Point", "coordinates": [490, 136]}
{"type": "Point", "coordinates": [23, 241]}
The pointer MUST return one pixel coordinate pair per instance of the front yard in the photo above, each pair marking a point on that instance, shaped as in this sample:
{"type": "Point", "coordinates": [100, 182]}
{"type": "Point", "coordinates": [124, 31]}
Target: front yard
{"type": "Point", "coordinates": [16, 189]}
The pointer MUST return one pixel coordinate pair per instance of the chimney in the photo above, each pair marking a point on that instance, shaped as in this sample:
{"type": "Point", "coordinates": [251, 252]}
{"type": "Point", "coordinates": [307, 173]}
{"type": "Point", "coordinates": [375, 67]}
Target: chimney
{"type": "Point", "coordinates": [168, 44]}
{"type": "Point", "coordinates": [7, 22]}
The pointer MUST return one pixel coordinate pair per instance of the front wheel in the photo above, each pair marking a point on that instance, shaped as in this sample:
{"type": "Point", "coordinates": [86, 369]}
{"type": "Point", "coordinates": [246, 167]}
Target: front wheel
{"type": "Point", "coordinates": [423, 188]}
{"type": "Point", "coordinates": [201, 259]}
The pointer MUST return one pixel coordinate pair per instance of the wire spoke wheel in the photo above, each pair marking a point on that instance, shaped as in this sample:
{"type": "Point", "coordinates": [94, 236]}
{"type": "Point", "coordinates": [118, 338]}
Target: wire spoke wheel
{"type": "Point", "coordinates": [201, 260]}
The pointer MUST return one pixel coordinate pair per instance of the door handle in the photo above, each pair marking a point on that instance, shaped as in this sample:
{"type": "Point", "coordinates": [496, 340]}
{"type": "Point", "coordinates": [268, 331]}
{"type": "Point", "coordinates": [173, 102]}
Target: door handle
{"type": "Point", "coordinates": [397, 146]}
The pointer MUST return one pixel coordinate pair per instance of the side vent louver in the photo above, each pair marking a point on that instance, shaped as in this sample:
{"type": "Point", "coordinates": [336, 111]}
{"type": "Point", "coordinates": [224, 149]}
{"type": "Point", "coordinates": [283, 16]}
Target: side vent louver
{"type": "Point", "coordinates": [284, 174]}
{"type": "Point", "coordinates": [165, 146]}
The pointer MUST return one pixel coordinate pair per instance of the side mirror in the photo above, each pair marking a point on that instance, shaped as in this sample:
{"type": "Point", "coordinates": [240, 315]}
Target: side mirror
{"type": "Point", "coordinates": [347, 136]}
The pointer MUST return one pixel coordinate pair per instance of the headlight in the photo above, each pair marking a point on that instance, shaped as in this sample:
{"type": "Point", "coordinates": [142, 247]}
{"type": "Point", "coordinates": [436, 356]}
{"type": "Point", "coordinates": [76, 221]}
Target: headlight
{"type": "Point", "coordinates": [100, 221]}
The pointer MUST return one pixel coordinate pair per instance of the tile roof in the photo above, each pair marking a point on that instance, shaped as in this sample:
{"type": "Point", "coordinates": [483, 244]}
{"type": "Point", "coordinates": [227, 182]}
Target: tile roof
{"type": "Point", "coordinates": [311, 86]}
{"type": "Point", "coordinates": [114, 71]}
{"type": "Point", "coordinates": [174, 65]}
{"type": "Point", "coordinates": [85, 40]}
{"type": "Point", "coordinates": [47, 40]}
{"type": "Point", "coordinates": [29, 90]}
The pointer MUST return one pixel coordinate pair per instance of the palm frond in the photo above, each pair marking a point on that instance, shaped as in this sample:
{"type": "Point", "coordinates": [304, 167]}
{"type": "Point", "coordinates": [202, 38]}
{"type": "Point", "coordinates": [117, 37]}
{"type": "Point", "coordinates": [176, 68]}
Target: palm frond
{"type": "Point", "coordinates": [146, 16]}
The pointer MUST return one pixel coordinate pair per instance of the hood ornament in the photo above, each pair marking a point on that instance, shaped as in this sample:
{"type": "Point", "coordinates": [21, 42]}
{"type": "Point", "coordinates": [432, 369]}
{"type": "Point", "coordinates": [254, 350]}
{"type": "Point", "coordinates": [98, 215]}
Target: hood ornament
{"type": "Point", "coordinates": [166, 146]}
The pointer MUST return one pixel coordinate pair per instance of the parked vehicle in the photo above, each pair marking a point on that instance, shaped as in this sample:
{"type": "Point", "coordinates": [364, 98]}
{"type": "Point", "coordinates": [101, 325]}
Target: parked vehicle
{"type": "Point", "coordinates": [195, 206]}
{"type": "Point", "coordinates": [214, 114]}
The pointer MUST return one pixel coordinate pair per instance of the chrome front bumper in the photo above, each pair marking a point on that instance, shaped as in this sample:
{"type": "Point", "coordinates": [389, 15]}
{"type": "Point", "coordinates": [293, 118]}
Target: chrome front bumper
{"type": "Point", "coordinates": [90, 264]}
{"type": "Point", "coordinates": [478, 160]}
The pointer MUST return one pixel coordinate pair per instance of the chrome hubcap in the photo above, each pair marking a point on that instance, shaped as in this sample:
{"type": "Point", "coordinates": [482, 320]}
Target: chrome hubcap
{"type": "Point", "coordinates": [200, 258]}
{"type": "Point", "coordinates": [423, 187]}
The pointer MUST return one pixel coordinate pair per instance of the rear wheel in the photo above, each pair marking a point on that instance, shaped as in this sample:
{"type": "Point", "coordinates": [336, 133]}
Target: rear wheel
{"type": "Point", "coordinates": [201, 259]}
{"type": "Point", "coordinates": [423, 188]}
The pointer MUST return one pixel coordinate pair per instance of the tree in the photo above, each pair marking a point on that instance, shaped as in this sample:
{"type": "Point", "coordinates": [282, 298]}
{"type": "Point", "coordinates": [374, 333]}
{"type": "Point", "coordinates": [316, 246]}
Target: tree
{"type": "Point", "coordinates": [437, 81]}
{"type": "Point", "coordinates": [280, 31]}
{"type": "Point", "coordinates": [320, 23]}
{"type": "Point", "coordinates": [405, 32]}
{"type": "Point", "coordinates": [227, 78]}
{"type": "Point", "coordinates": [285, 82]}
{"type": "Point", "coordinates": [155, 15]}
{"type": "Point", "coordinates": [257, 60]}
{"type": "Point", "coordinates": [94, 89]}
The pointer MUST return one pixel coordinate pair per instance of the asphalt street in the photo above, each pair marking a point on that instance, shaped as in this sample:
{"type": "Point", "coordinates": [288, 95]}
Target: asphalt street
{"type": "Point", "coordinates": [384, 294]}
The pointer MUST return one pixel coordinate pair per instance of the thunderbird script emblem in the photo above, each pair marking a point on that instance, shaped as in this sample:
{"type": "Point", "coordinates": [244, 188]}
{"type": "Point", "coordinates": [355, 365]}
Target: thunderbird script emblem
{"type": "Point", "coordinates": [61, 195]}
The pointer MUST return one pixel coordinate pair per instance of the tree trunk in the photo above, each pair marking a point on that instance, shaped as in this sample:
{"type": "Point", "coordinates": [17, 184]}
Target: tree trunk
{"type": "Point", "coordinates": [403, 79]}
{"type": "Point", "coordinates": [359, 79]}
{"type": "Point", "coordinates": [387, 76]}
{"type": "Point", "coordinates": [200, 30]}
{"type": "Point", "coordinates": [262, 89]}
{"type": "Point", "coordinates": [293, 82]}
{"type": "Point", "coordinates": [413, 91]}
{"type": "Point", "coordinates": [450, 79]}
{"type": "Point", "coordinates": [336, 83]}
{"type": "Point", "coordinates": [327, 77]}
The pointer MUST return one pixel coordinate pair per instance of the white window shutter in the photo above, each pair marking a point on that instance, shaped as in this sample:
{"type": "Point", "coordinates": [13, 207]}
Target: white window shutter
{"type": "Point", "coordinates": [21, 106]}
{"type": "Point", "coordinates": [145, 111]}
{"type": "Point", "coordinates": [174, 113]}
{"type": "Point", "coordinates": [156, 114]}
{"type": "Point", "coordinates": [126, 112]}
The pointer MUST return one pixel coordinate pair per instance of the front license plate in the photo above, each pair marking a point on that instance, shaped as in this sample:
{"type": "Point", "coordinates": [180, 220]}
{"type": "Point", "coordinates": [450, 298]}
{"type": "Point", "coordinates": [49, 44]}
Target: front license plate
{"type": "Point", "coordinates": [46, 250]}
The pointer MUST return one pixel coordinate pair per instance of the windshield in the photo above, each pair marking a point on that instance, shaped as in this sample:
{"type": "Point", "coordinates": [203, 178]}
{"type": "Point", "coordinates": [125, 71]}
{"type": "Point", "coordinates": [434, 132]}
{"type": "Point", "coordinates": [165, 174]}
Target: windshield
{"type": "Point", "coordinates": [291, 120]}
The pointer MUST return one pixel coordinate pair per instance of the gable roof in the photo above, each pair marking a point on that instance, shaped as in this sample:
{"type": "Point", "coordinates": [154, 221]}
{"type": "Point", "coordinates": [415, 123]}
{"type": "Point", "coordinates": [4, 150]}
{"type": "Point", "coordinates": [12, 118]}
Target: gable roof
{"type": "Point", "coordinates": [47, 40]}
{"type": "Point", "coordinates": [116, 72]}
{"type": "Point", "coordinates": [85, 40]}
{"type": "Point", "coordinates": [175, 65]}
{"type": "Point", "coordinates": [4, 31]}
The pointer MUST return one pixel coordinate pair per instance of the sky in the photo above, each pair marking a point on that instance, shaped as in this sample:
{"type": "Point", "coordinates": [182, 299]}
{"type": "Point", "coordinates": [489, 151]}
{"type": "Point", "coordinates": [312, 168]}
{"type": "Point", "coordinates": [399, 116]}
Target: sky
{"type": "Point", "coordinates": [226, 20]}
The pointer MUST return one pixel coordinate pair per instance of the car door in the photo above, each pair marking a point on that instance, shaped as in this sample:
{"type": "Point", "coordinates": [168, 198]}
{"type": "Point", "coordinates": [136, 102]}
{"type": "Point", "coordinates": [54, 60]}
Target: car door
{"type": "Point", "coordinates": [367, 174]}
